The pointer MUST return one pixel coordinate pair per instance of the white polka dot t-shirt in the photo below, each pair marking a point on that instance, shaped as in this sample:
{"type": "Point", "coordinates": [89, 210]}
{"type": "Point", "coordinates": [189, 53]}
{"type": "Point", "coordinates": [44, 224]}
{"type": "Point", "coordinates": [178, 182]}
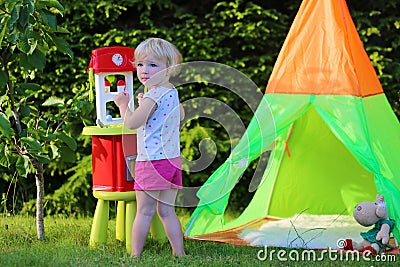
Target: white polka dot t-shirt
{"type": "Point", "coordinates": [159, 137]}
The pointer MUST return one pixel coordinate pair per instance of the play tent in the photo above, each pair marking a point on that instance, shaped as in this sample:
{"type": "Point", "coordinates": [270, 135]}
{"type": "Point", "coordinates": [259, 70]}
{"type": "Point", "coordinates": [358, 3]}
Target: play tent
{"type": "Point", "coordinates": [335, 138]}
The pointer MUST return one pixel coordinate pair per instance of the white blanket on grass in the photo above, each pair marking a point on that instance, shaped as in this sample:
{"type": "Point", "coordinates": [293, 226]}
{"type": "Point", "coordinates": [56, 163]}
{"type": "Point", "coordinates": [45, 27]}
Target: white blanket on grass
{"type": "Point", "coordinates": [306, 231]}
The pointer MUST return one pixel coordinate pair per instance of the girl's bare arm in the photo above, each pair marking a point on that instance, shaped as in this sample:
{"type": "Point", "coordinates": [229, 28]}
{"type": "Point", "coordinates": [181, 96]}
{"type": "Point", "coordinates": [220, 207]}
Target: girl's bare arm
{"type": "Point", "coordinates": [138, 117]}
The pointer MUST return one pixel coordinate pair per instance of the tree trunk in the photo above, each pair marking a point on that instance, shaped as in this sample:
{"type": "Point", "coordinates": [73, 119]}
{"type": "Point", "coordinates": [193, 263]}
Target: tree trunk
{"type": "Point", "coordinates": [39, 198]}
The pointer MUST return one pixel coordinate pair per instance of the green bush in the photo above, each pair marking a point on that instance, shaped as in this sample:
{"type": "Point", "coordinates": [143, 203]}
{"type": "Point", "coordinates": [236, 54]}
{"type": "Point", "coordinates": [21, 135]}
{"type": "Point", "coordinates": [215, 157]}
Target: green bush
{"type": "Point", "coordinates": [246, 35]}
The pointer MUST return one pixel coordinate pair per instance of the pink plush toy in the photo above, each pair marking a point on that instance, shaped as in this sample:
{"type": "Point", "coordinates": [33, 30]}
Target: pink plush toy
{"type": "Point", "coordinates": [375, 240]}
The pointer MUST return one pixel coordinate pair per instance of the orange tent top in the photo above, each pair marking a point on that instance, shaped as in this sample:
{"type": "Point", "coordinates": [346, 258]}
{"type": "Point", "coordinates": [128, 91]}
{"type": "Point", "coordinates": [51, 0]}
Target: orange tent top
{"type": "Point", "coordinates": [323, 54]}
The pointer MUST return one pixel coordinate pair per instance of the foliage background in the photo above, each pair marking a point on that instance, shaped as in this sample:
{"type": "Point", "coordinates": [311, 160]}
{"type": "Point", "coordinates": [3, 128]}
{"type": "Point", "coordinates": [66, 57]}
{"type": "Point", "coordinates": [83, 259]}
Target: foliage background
{"type": "Point", "coordinates": [246, 35]}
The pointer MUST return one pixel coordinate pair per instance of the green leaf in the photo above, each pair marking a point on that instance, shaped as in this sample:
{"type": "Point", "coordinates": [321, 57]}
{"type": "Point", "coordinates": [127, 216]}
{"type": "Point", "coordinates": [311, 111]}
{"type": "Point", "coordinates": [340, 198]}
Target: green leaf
{"type": "Point", "coordinates": [22, 165]}
{"type": "Point", "coordinates": [3, 31]}
{"type": "Point", "coordinates": [49, 19]}
{"type": "Point", "coordinates": [54, 151]}
{"type": "Point", "coordinates": [62, 30]}
{"type": "Point", "coordinates": [54, 4]}
{"type": "Point", "coordinates": [4, 159]}
{"type": "Point", "coordinates": [37, 59]}
{"type": "Point", "coordinates": [43, 124]}
{"type": "Point", "coordinates": [24, 46]}
{"type": "Point", "coordinates": [5, 126]}
{"type": "Point", "coordinates": [33, 144]}
{"type": "Point", "coordinates": [31, 6]}
{"type": "Point", "coordinates": [30, 86]}
{"type": "Point", "coordinates": [24, 16]}
{"type": "Point", "coordinates": [2, 98]}
{"type": "Point", "coordinates": [33, 44]}
{"type": "Point", "coordinates": [43, 159]}
{"type": "Point", "coordinates": [68, 140]}
{"type": "Point", "coordinates": [49, 137]}
{"type": "Point", "coordinates": [14, 17]}
{"type": "Point", "coordinates": [24, 62]}
{"type": "Point", "coordinates": [53, 101]}
{"type": "Point", "coordinates": [25, 111]}
{"type": "Point", "coordinates": [63, 46]}
{"type": "Point", "coordinates": [67, 154]}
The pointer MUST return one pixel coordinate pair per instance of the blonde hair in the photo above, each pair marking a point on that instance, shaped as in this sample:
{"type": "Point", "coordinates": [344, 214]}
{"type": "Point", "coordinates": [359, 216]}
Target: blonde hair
{"type": "Point", "coordinates": [162, 50]}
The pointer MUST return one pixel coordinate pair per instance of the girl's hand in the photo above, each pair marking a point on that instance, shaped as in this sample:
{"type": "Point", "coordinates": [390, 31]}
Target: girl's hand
{"type": "Point", "coordinates": [122, 99]}
{"type": "Point", "coordinates": [140, 97]}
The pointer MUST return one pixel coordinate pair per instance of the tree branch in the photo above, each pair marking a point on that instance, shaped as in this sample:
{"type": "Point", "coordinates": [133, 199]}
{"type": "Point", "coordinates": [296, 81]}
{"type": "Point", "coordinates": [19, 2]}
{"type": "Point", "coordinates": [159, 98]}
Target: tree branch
{"type": "Point", "coordinates": [10, 90]}
{"type": "Point", "coordinates": [5, 11]}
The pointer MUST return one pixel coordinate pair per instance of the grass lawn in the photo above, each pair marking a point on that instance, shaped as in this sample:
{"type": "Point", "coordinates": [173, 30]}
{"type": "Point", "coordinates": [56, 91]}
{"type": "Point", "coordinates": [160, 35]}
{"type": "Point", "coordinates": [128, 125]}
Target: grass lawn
{"type": "Point", "coordinates": [67, 244]}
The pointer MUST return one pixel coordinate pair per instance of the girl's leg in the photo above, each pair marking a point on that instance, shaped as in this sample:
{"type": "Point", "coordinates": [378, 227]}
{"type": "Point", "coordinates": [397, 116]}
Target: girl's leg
{"type": "Point", "coordinates": [146, 207]}
{"type": "Point", "coordinates": [172, 225]}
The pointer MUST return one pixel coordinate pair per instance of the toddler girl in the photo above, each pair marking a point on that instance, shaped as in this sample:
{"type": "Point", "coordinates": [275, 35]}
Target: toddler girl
{"type": "Point", "coordinates": [158, 174]}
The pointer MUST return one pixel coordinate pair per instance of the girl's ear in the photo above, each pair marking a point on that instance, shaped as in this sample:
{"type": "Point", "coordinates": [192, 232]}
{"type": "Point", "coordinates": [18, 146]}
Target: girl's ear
{"type": "Point", "coordinates": [173, 70]}
{"type": "Point", "coordinates": [168, 72]}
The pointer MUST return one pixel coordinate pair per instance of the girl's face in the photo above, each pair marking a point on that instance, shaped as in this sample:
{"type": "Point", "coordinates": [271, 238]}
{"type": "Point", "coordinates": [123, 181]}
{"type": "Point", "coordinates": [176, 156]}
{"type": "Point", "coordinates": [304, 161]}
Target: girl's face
{"type": "Point", "coordinates": [147, 68]}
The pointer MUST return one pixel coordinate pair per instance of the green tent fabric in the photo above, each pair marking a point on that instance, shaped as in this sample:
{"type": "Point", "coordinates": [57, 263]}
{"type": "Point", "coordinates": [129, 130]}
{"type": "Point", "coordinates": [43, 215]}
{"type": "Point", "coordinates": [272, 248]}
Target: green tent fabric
{"type": "Point", "coordinates": [338, 157]}
{"type": "Point", "coordinates": [335, 138]}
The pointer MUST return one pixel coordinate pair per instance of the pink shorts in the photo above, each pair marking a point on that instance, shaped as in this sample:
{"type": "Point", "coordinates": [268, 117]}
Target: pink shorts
{"type": "Point", "coordinates": [158, 174]}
